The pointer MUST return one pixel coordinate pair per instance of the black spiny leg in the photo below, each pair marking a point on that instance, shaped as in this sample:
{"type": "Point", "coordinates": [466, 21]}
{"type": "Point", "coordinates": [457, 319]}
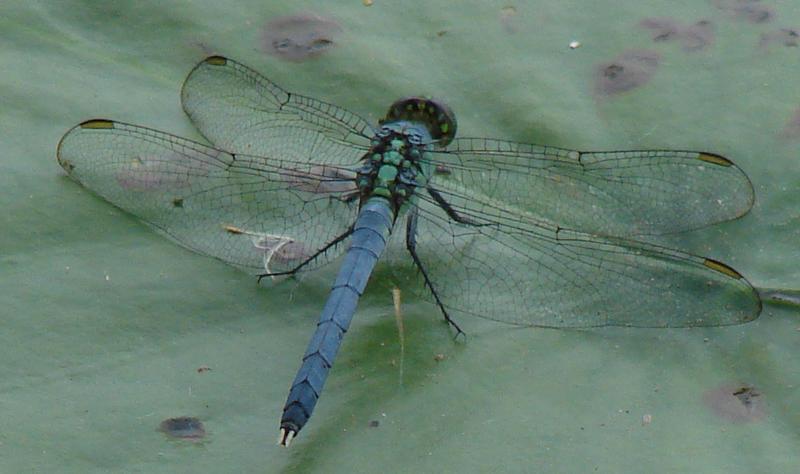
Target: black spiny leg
{"type": "Point", "coordinates": [411, 245]}
{"type": "Point", "coordinates": [442, 202]}
{"type": "Point", "coordinates": [319, 252]}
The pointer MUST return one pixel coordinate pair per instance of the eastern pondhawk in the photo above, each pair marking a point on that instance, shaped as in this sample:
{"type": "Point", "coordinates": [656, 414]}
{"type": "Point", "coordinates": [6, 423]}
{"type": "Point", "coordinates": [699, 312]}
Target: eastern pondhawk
{"type": "Point", "coordinates": [525, 234]}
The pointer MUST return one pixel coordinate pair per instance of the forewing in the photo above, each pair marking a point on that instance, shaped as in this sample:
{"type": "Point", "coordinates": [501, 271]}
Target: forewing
{"type": "Point", "coordinates": [241, 111]}
{"type": "Point", "coordinates": [260, 214]}
{"type": "Point", "coordinates": [510, 267]}
{"type": "Point", "coordinates": [623, 193]}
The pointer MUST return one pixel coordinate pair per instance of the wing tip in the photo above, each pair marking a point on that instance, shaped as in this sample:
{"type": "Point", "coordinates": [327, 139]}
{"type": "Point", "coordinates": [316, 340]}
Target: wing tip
{"type": "Point", "coordinates": [720, 160]}
{"type": "Point", "coordinates": [754, 299]}
{"type": "Point", "coordinates": [92, 124]}
{"type": "Point", "coordinates": [214, 61]}
{"type": "Point", "coordinates": [66, 164]}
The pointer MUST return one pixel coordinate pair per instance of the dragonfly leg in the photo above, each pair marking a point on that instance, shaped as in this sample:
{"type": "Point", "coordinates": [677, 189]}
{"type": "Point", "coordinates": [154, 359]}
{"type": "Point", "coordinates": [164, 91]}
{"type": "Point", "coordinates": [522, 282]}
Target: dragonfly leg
{"type": "Point", "coordinates": [310, 259]}
{"type": "Point", "coordinates": [411, 245]}
{"type": "Point", "coordinates": [442, 202]}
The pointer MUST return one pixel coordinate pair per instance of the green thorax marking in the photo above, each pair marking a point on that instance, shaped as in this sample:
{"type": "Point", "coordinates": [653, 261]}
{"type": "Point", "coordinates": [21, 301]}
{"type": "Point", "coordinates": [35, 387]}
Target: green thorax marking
{"type": "Point", "coordinates": [394, 168]}
{"type": "Point", "coordinates": [388, 170]}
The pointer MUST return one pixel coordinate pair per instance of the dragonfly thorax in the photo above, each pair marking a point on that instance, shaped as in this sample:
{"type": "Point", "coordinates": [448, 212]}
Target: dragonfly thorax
{"type": "Point", "coordinates": [397, 163]}
{"type": "Point", "coordinates": [393, 168]}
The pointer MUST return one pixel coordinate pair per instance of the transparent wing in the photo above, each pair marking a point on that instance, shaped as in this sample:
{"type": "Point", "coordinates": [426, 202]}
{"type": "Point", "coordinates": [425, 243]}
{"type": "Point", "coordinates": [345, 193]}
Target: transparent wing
{"type": "Point", "coordinates": [514, 268]}
{"type": "Point", "coordinates": [259, 214]}
{"type": "Point", "coordinates": [241, 111]}
{"type": "Point", "coordinates": [623, 193]}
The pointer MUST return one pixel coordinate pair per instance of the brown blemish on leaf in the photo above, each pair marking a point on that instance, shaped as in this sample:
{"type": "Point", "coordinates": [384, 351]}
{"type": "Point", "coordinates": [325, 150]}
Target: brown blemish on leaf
{"type": "Point", "coordinates": [629, 70]}
{"type": "Point", "coordinates": [183, 427]}
{"type": "Point", "coordinates": [752, 11]}
{"type": "Point", "coordinates": [299, 37]}
{"type": "Point", "coordinates": [736, 403]}
{"type": "Point", "coordinates": [697, 36]}
{"type": "Point", "coordinates": [694, 37]}
{"type": "Point", "coordinates": [662, 29]}
{"type": "Point", "coordinates": [788, 37]}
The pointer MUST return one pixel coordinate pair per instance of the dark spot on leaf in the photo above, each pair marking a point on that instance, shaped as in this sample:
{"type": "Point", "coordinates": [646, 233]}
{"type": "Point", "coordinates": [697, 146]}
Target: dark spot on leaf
{"type": "Point", "coordinates": [746, 395]}
{"type": "Point", "coordinates": [177, 202]}
{"type": "Point", "coordinates": [736, 403]}
{"type": "Point", "coordinates": [789, 37]}
{"type": "Point", "coordinates": [697, 36]}
{"type": "Point", "coordinates": [183, 427]}
{"type": "Point", "coordinates": [299, 37]}
{"type": "Point", "coordinates": [374, 423]}
{"type": "Point", "coordinates": [694, 37]}
{"type": "Point", "coordinates": [613, 71]}
{"type": "Point", "coordinates": [320, 44]}
{"type": "Point", "coordinates": [749, 10]}
{"type": "Point", "coordinates": [662, 29]}
{"type": "Point", "coordinates": [627, 71]}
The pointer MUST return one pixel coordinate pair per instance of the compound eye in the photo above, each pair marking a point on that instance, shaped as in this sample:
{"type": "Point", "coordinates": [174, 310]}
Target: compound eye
{"type": "Point", "coordinates": [436, 116]}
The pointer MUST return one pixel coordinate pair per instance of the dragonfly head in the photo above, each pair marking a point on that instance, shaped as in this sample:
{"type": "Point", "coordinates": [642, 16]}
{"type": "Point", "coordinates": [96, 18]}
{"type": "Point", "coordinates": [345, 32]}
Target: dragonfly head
{"type": "Point", "coordinates": [435, 116]}
{"type": "Point", "coordinates": [401, 134]}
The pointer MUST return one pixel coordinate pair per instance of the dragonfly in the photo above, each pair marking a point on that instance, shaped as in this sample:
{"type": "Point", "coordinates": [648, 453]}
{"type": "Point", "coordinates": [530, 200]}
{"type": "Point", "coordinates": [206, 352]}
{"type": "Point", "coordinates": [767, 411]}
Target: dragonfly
{"type": "Point", "coordinates": [518, 233]}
